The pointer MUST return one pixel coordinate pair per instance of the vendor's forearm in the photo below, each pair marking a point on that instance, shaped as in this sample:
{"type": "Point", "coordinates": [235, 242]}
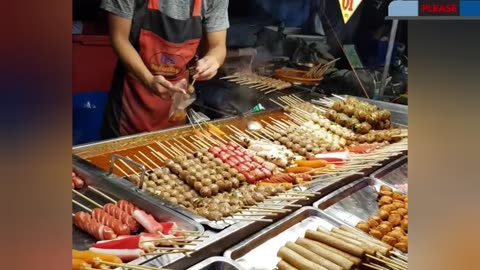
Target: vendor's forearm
{"type": "Point", "coordinates": [219, 53]}
{"type": "Point", "coordinates": [132, 60]}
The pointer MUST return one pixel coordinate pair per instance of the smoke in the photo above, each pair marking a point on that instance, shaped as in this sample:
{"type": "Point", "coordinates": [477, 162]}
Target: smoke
{"type": "Point", "coordinates": [246, 60]}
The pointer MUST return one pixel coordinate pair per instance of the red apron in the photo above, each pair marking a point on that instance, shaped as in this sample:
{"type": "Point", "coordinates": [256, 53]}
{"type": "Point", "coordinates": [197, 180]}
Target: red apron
{"type": "Point", "coordinates": [166, 45]}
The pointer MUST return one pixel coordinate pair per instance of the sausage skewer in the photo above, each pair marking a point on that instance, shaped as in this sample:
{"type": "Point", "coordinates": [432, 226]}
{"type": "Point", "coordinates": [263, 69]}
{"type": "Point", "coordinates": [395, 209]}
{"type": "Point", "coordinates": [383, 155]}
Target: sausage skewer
{"type": "Point", "coordinates": [106, 219]}
{"type": "Point", "coordinates": [88, 224]}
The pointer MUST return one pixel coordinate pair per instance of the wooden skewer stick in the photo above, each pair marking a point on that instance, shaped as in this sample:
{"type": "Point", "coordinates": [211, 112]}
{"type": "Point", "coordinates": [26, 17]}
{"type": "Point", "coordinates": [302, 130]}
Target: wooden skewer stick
{"type": "Point", "coordinates": [143, 162]}
{"type": "Point", "coordinates": [171, 154]}
{"type": "Point", "coordinates": [174, 248]}
{"type": "Point", "coordinates": [179, 151]}
{"type": "Point", "coordinates": [248, 219]}
{"type": "Point", "coordinates": [389, 261]}
{"type": "Point", "coordinates": [128, 166]}
{"type": "Point", "coordinates": [183, 145]}
{"type": "Point", "coordinates": [158, 155]}
{"type": "Point", "coordinates": [128, 266]}
{"type": "Point", "coordinates": [374, 266]}
{"type": "Point", "coordinates": [102, 194]}
{"type": "Point", "coordinates": [120, 169]}
{"type": "Point", "coordinates": [87, 199]}
{"type": "Point", "coordinates": [277, 103]}
{"type": "Point", "coordinates": [259, 210]}
{"type": "Point", "coordinates": [188, 142]}
{"type": "Point", "coordinates": [281, 204]}
{"type": "Point", "coordinates": [82, 206]}
{"type": "Point", "coordinates": [148, 159]}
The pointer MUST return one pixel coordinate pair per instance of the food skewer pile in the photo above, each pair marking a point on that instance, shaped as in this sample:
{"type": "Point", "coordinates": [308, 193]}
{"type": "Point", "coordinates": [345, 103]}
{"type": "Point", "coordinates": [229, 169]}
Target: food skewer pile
{"type": "Point", "coordinates": [258, 82]}
{"type": "Point", "coordinates": [337, 249]}
{"type": "Point", "coordinates": [209, 162]}
{"type": "Point", "coordinates": [319, 70]}
{"type": "Point", "coordinates": [391, 223]}
{"type": "Point", "coordinates": [374, 126]}
{"type": "Point", "coordinates": [116, 226]}
{"type": "Point", "coordinates": [89, 260]}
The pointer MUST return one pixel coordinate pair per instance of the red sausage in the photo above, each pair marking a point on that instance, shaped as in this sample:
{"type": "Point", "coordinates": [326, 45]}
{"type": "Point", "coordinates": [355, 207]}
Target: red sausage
{"type": "Point", "coordinates": [251, 179]}
{"type": "Point", "coordinates": [267, 173]}
{"type": "Point", "coordinates": [86, 222]}
{"type": "Point", "coordinates": [121, 215]}
{"type": "Point", "coordinates": [77, 182]}
{"type": "Point", "coordinates": [106, 219]}
{"type": "Point", "coordinates": [126, 206]}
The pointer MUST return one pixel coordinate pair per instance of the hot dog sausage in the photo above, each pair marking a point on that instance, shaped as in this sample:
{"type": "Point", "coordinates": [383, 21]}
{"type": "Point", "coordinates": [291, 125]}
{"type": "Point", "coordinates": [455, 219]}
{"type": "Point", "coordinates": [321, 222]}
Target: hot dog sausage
{"type": "Point", "coordinates": [381, 249]}
{"type": "Point", "coordinates": [121, 215]}
{"type": "Point", "coordinates": [297, 261]}
{"type": "Point", "coordinates": [336, 243]}
{"type": "Point", "coordinates": [86, 223]}
{"type": "Point", "coordinates": [311, 256]}
{"type": "Point", "coordinates": [78, 264]}
{"type": "Point", "coordinates": [106, 219]}
{"type": "Point", "coordinates": [325, 253]}
{"type": "Point", "coordinates": [348, 229]}
{"type": "Point", "coordinates": [368, 249]}
{"type": "Point", "coordinates": [90, 257]}
{"type": "Point", "coordinates": [126, 206]}
{"type": "Point", "coordinates": [283, 265]}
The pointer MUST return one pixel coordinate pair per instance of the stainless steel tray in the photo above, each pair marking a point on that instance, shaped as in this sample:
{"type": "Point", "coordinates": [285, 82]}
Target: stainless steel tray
{"type": "Point", "coordinates": [259, 252]}
{"type": "Point", "coordinates": [96, 177]}
{"type": "Point", "coordinates": [394, 174]}
{"type": "Point", "coordinates": [216, 263]}
{"type": "Point", "coordinates": [116, 185]}
{"type": "Point", "coordinates": [353, 203]}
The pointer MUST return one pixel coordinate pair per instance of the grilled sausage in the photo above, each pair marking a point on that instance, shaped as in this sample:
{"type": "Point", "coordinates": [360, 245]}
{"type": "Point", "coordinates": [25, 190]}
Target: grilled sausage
{"type": "Point", "coordinates": [322, 251]}
{"type": "Point", "coordinates": [311, 256]}
{"type": "Point", "coordinates": [335, 242]}
{"type": "Point", "coordinates": [297, 261]}
{"type": "Point", "coordinates": [283, 265]}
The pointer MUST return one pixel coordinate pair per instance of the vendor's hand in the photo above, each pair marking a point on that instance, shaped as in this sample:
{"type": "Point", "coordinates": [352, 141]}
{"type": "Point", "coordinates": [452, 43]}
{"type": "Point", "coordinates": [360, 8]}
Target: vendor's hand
{"type": "Point", "coordinates": [162, 87]}
{"type": "Point", "coordinates": [207, 68]}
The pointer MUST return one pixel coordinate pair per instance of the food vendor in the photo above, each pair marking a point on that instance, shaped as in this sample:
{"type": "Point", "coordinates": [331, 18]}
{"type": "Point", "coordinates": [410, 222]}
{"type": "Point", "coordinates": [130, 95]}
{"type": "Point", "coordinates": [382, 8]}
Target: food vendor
{"type": "Point", "coordinates": [155, 40]}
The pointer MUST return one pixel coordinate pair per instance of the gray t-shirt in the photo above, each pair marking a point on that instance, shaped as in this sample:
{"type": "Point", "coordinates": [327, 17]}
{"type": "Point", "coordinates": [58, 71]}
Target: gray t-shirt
{"type": "Point", "coordinates": [214, 12]}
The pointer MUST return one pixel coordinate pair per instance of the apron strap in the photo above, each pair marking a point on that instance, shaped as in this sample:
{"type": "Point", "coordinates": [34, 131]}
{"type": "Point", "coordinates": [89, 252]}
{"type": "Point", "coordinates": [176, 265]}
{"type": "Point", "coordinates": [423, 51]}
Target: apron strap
{"type": "Point", "coordinates": [197, 8]}
{"type": "Point", "coordinates": [139, 15]}
{"type": "Point", "coordinates": [154, 4]}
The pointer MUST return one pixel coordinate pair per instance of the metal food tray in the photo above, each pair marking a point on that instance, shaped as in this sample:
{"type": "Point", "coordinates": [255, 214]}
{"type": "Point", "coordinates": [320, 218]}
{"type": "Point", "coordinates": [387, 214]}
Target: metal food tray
{"type": "Point", "coordinates": [394, 174]}
{"type": "Point", "coordinates": [216, 263]}
{"type": "Point", "coordinates": [95, 177]}
{"type": "Point", "coordinates": [355, 202]}
{"type": "Point", "coordinates": [259, 252]}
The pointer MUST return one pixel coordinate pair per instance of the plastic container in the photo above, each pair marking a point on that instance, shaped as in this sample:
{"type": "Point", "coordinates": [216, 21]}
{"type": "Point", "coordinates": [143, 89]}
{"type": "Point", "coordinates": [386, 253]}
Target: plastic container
{"type": "Point", "coordinates": [88, 110]}
{"type": "Point", "coordinates": [93, 63]}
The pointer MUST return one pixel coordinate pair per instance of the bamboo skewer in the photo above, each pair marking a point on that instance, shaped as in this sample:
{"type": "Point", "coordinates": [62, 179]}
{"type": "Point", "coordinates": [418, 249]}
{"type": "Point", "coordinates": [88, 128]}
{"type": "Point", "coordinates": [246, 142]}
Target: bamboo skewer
{"type": "Point", "coordinates": [128, 166]}
{"type": "Point", "coordinates": [102, 194]}
{"type": "Point", "coordinates": [87, 199]}
{"type": "Point", "coordinates": [120, 169]}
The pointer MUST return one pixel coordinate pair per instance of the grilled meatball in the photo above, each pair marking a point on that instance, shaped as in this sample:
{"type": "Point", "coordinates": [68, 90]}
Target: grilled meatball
{"type": "Point", "coordinates": [338, 105]}
{"type": "Point", "coordinates": [198, 186]}
{"type": "Point", "coordinates": [364, 226]}
{"type": "Point", "coordinates": [134, 179]}
{"type": "Point", "coordinates": [205, 191]}
{"type": "Point", "coordinates": [363, 128]}
{"type": "Point", "coordinates": [214, 215]}
{"type": "Point", "coordinates": [225, 209]}
{"type": "Point", "coordinates": [360, 114]}
{"type": "Point", "coordinates": [221, 185]}
{"type": "Point", "coordinates": [258, 197]}
{"type": "Point", "coordinates": [228, 185]}
{"type": "Point", "coordinates": [235, 182]}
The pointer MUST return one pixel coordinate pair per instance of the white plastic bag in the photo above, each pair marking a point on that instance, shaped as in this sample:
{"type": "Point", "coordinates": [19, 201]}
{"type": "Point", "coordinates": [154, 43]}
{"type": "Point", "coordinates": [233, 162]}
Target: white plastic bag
{"type": "Point", "coordinates": [180, 102]}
